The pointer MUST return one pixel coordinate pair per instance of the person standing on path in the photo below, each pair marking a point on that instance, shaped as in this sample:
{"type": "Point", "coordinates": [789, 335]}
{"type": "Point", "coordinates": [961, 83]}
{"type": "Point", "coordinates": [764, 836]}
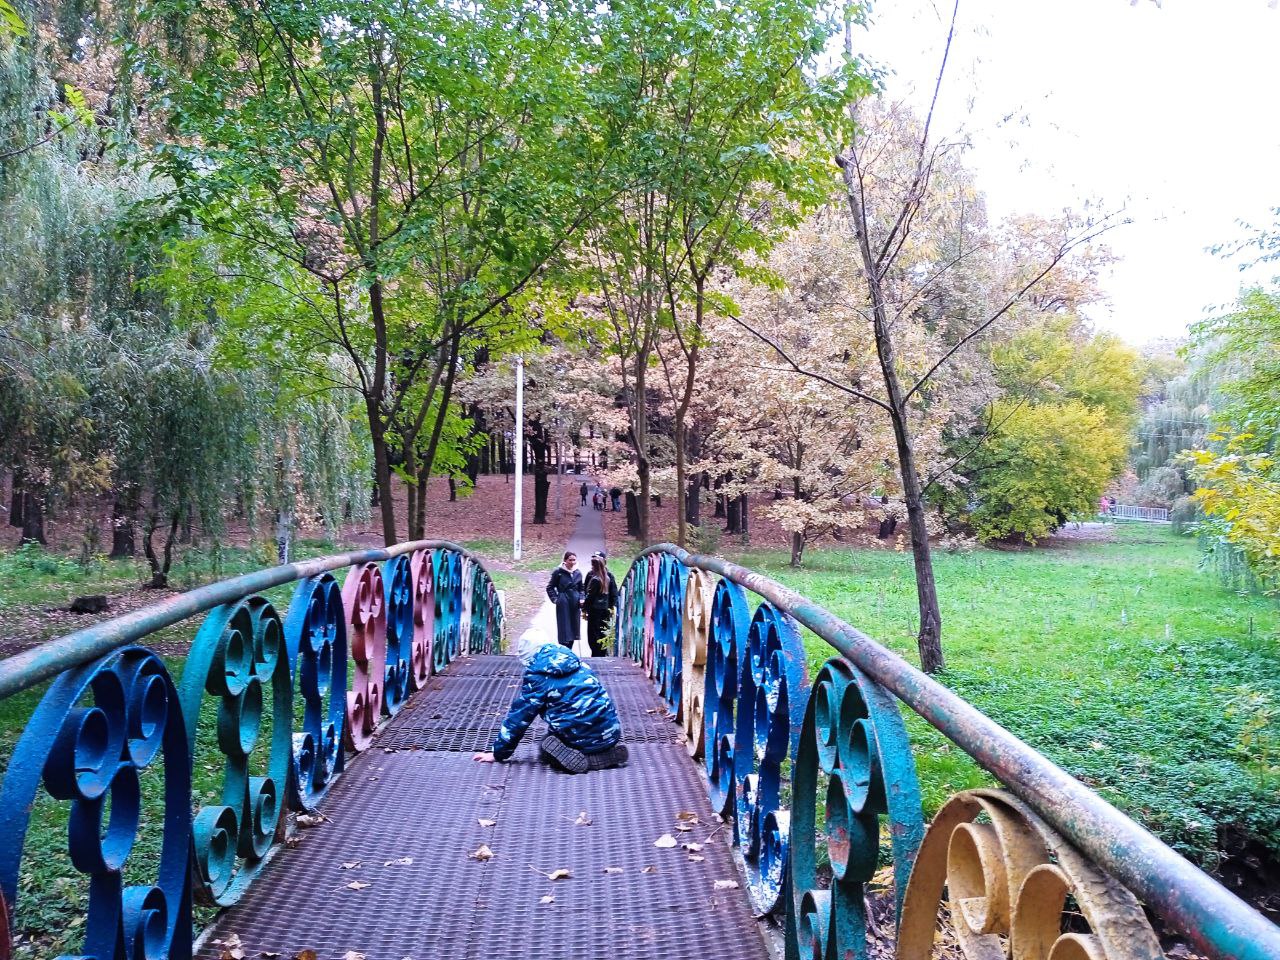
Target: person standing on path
{"type": "Point", "coordinates": [615, 495]}
{"type": "Point", "coordinates": [601, 601]}
{"type": "Point", "coordinates": [582, 491]}
{"type": "Point", "coordinates": [565, 590]}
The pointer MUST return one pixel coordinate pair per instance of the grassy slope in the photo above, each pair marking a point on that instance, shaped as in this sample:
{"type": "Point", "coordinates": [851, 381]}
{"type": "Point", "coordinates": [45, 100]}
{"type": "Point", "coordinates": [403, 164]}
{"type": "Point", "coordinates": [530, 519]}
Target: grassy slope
{"type": "Point", "coordinates": [1120, 661]}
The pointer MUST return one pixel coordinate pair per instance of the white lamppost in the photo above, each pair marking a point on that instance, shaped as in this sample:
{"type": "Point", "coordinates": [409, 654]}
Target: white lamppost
{"type": "Point", "coordinates": [516, 536]}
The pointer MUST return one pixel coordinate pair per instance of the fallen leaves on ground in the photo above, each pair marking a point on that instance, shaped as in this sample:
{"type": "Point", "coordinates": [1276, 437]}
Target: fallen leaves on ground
{"type": "Point", "coordinates": [482, 854]}
{"type": "Point", "coordinates": [306, 821]}
{"type": "Point", "coordinates": [665, 842]}
{"type": "Point", "coordinates": [559, 874]}
{"type": "Point", "coordinates": [292, 842]}
{"type": "Point", "coordinates": [232, 949]}
{"type": "Point", "coordinates": [305, 955]}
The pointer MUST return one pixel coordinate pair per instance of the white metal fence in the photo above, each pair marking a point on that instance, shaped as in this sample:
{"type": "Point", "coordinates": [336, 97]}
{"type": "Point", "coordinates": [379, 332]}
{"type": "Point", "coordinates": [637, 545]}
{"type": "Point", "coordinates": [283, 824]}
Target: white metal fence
{"type": "Point", "coordinates": [1121, 511]}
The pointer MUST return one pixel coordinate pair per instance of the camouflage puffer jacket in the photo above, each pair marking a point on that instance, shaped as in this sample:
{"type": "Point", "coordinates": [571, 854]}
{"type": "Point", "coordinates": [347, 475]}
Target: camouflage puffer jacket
{"type": "Point", "coordinates": [569, 696]}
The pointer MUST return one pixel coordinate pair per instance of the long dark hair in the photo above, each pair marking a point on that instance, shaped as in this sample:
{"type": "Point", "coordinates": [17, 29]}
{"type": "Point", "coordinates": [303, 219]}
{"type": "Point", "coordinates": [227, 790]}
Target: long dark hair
{"type": "Point", "coordinates": [600, 571]}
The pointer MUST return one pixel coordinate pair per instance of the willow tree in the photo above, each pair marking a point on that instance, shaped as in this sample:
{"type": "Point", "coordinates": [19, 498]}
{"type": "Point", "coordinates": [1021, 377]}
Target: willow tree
{"type": "Point", "coordinates": [381, 181]}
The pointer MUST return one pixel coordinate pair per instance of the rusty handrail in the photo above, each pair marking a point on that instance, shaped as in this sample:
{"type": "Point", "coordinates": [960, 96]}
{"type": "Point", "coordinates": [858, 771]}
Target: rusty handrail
{"type": "Point", "coordinates": [1183, 895]}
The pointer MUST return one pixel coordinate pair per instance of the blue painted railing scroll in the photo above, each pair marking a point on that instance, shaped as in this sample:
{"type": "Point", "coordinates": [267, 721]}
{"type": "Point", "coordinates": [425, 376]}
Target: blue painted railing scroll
{"type": "Point", "coordinates": [818, 784]}
{"type": "Point", "coordinates": [351, 653]}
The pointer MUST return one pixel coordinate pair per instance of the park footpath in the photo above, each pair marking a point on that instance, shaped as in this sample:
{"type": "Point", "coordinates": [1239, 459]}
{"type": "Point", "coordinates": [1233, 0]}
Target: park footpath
{"type": "Point", "coordinates": [423, 853]}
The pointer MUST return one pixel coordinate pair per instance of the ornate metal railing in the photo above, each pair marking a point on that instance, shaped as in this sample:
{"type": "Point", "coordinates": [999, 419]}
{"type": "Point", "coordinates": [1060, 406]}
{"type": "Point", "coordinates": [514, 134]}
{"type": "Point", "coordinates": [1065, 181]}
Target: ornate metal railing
{"type": "Point", "coordinates": [350, 653]}
{"type": "Point", "coordinates": [807, 775]}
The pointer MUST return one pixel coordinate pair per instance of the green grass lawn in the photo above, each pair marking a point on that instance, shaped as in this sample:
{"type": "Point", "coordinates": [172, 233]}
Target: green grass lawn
{"type": "Point", "coordinates": [1120, 661]}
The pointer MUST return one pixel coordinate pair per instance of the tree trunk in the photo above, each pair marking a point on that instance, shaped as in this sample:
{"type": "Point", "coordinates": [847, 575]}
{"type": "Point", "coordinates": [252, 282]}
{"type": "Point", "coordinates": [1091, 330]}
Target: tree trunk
{"type": "Point", "coordinates": [410, 493]}
{"type": "Point", "coordinates": [160, 568]}
{"type": "Point", "coordinates": [797, 549]}
{"type": "Point", "coordinates": [734, 516]}
{"type": "Point", "coordinates": [744, 516]}
{"type": "Point", "coordinates": [16, 501]}
{"type": "Point", "coordinates": [284, 534]}
{"type": "Point", "coordinates": [541, 464]}
{"type": "Point", "coordinates": [32, 516]}
{"type": "Point", "coordinates": [929, 640]}
{"type": "Point", "coordinates": [453, 490]}
{"type": "Point", "coordinates": [633, 514]}
{"type": "Point", "coordinates": [641, 437]}
{"type": "Point", "coordinates": [693, 502]}
{"type": "Point", "coordinates": [382, 472]}
{"type": "Point", "coordinates": [124, 513]}
{"type": "Point", "coordinates": [420, 517]}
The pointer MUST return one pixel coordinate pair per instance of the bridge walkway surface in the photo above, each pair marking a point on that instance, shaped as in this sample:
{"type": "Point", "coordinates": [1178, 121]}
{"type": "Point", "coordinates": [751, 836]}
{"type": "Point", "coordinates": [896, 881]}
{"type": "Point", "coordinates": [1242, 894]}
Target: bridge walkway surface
{"type": "Point", "coordinates": [400, 865]}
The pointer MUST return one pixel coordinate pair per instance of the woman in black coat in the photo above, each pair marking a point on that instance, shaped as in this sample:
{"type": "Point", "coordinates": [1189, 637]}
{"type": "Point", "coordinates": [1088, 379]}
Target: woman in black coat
{"type": "Point", "coordinates": [601, 600]}
{"type": "Point", "coordinates": [565, 591]}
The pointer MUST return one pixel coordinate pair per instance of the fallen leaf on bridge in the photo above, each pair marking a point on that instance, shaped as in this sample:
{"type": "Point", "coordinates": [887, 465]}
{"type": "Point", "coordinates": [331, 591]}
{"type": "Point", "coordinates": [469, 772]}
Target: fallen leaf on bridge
{"type": "Point", "coordinates": [548, 899]}
{"type": "Point", "coordinates": [692, 847]}
{"type": "Point", "coordinates": [486, 823]}
{"type": "Point", "coordinates": [613, 870]}
{"type": "Point", "coordinates": [583, 820]}
{"type": "Point", "coordinates": [308, 820]}
{"type": "Point", "coordinates": [352, 864]}
{"type": "Point", "coordinates": [232, 948]}
{"type": "Point", "coordinates": [666, 841]}
{"type": "Point", "coordinates": [726, 885]}
{"type": "Point", "coordinates": [647, 870]}
{"type": "Point", "coordinates": [402, 862]}
{"type": "Point", "coordinates": [358, 885]}
{"type": "Point", "coordinates": [561, 874]}
{"type": "Point", "coordinates": [695, 858]}
{"type": "Point", "coordinates": [268, 954]}
{"type": "Point", "coordinates": [305, 955]}
{"type": "Point", "coordinates": [352, 955]}
{"type": "Point", "coordinates": [482, 854]}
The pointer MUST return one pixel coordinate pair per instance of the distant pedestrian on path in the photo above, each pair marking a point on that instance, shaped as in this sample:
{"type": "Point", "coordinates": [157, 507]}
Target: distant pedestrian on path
{"type": "Point", "coordinates": [565, 591]}
{"type": "Point", "coordinates": [583, 728]}
{"type": "Point", "coordinates": [583, 491]}
{"type": "Point", "coordinates": [602, 600]}
{"type": "Point", "coordinates": [615, 495]}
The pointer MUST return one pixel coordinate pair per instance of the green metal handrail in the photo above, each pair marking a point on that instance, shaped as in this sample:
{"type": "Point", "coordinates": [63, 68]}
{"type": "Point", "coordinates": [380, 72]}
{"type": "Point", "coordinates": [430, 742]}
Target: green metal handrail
{"type": "Point", "coordinates": [1185, 897]}
{"type": "Point", "coordinates": [33, 666]}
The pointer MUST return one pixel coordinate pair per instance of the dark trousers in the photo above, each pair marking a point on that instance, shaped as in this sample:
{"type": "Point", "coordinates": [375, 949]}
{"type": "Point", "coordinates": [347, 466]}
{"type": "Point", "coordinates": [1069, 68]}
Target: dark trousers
{"type": "Point", "coordinates": [596, 624]}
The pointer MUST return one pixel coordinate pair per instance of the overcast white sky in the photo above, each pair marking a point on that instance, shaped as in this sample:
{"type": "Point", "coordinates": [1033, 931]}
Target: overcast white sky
{"type": "Point", "coordinates": [1169, 111]}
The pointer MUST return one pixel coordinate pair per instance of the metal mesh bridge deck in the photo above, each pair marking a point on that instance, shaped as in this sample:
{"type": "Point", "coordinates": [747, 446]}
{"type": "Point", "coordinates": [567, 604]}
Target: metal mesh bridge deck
{"type": "Point", "coordinates": [390, 873]}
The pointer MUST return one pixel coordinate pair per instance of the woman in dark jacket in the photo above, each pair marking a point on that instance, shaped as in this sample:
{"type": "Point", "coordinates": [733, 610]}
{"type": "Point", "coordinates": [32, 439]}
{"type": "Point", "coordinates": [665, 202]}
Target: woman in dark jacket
{"type": "Point", "coordinates": [565, 591]}
{"type": "Point", "coordinates": [601, 601]}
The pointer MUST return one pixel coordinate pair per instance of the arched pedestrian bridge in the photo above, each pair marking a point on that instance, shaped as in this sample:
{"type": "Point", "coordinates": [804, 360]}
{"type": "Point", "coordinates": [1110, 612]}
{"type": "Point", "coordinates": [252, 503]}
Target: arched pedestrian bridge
{"type": "Point", "coordinates": [300, 785]}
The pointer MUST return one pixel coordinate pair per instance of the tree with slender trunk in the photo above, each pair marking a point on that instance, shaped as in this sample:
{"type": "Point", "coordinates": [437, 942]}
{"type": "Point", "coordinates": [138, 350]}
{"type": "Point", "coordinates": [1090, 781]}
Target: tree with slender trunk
{"type": "Point", "coordinates": [891, 193]}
